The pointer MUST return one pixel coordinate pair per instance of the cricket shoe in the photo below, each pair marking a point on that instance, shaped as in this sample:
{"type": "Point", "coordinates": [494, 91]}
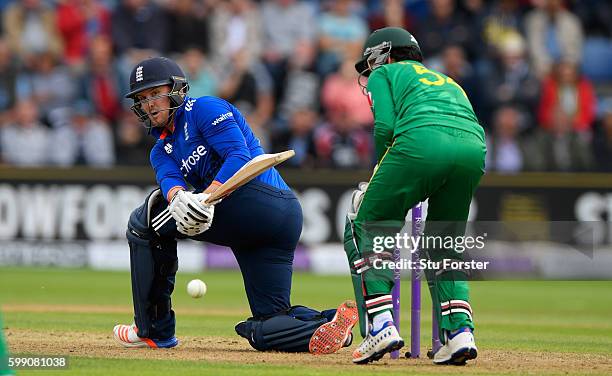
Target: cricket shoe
{"type": "Point", "coordinates": [459, 348]}
{"type": "Point", "coordinates": [127, 336]}
{"type": "Point", "coordinates": [376, 344]}
{"type": "Point", "coordinates": [331, 336]}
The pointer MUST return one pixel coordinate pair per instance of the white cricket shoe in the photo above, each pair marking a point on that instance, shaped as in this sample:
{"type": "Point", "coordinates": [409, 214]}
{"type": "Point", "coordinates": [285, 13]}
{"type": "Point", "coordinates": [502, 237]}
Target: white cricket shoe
{"type": "Point", "coordinates": [376, 344]}
{"type": "Point", "coordinates": [127, 336]}
{"type": "Point", "coordinates": [459, 348]}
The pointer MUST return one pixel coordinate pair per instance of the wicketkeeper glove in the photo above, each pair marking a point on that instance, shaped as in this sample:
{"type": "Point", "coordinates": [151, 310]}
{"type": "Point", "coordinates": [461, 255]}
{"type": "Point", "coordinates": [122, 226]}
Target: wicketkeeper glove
{"type": "Point", "coordinates": [191, 215]}
{"type": "Point", "coordinates": [356, 200]}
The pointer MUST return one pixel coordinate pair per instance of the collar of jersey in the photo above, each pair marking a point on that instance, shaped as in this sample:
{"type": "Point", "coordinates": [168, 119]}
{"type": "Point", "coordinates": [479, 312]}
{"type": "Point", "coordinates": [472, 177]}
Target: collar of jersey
{"type": "Point", "coordinates": [162, 134]}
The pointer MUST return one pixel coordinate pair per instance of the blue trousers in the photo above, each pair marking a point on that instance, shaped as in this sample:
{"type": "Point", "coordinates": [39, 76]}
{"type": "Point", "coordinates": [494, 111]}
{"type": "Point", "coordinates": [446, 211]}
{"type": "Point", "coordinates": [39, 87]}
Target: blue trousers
{"type": "Point", "coordinates": [262, 225]}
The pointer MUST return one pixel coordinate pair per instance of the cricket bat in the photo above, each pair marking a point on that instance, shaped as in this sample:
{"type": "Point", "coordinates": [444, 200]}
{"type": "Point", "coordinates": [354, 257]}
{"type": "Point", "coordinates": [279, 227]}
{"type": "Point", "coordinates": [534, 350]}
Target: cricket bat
{"type": "Point", "coordinates": [246, 173]}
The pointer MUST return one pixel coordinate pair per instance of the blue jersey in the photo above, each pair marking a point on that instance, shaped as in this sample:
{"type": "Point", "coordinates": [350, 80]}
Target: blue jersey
{"type": "Point", "coordinates": [210, 142]}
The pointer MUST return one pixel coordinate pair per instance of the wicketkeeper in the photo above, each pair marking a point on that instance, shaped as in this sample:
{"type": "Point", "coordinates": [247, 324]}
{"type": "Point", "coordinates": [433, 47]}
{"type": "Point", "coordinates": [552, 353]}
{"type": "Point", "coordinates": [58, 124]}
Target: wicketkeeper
{"type": "Point", "coordinates": [429, 145]}
{"type": "Point", "coordinates": [201, 142]}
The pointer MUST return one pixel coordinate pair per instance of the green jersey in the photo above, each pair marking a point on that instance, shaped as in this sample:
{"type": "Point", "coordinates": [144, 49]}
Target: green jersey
{"type": "Point", "coordinates": [406, 95]}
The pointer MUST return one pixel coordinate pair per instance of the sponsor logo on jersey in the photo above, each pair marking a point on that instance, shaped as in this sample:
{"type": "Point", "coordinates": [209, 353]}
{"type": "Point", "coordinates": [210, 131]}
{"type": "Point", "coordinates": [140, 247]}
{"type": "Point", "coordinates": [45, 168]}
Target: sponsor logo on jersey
{"type": "Point", "coordinates": [186, 132]}
{"type": "Point", "coordinates": [223, 117]}
{"type": "Point", "coordinates": [139, 76]}
{"type": "Point", "coordinates": [168, 148]}
{"type": "Point", "coordinates": [189, 104]}
{"type": "Point", "coordinates": [192, 160]}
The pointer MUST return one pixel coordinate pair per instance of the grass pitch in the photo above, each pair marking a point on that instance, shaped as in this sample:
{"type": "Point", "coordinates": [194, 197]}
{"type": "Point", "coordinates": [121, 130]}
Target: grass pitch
{"type": "Point", "coordinates": [523, 327]}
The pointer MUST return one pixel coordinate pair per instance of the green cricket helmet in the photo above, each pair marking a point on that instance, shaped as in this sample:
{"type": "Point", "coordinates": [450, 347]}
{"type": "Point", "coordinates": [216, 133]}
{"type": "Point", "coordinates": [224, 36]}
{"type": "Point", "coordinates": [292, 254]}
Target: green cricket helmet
{"type": "Point", "coordinates": [377, 48]}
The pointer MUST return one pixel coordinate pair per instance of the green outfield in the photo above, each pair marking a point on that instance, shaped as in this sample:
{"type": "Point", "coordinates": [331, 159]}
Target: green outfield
{"type": "Point", "coordinates": [523, 327]}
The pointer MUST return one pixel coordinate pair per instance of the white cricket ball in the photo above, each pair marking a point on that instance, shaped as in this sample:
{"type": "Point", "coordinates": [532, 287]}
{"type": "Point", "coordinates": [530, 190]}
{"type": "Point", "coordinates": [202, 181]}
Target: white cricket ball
{"type": "Point", "coordinates": [196, 288]}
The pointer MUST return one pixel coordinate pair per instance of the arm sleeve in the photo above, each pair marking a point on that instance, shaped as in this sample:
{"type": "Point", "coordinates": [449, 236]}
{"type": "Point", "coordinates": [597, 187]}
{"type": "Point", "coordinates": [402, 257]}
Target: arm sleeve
{"type": "Point", "coordinates": [167, 172]}
{"type": "Point", "coordinates": [226, 139]}
{"type": "Point", "coordinates": [384, 112]}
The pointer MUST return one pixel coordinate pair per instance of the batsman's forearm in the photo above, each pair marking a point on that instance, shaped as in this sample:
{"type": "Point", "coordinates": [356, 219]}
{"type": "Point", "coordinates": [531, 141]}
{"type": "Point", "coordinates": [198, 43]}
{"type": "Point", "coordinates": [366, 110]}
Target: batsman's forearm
{"type": "Point", "coordinates": [213, 187]}
{"type": "Point", "coordinates": [173, 191]}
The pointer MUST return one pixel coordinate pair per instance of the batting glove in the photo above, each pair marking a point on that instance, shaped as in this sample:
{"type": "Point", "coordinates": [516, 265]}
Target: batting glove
{"type": "Point", "coordinates": [191, 215]}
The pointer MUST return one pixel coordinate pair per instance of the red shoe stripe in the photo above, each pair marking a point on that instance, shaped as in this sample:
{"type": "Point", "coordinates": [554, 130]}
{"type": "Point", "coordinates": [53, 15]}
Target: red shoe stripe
{"type": "Point", "coordinates": [122, 335]}
{"type": "Point", "coordinates": [150, 342]}
{"type": "Point", "coordinates": [126, 333]}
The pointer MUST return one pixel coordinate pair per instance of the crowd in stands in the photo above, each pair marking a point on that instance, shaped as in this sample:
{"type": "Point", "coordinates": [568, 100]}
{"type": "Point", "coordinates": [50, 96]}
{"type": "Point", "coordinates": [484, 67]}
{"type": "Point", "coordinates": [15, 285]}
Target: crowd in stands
{"type": "Point", "coordinates": [537, 72]}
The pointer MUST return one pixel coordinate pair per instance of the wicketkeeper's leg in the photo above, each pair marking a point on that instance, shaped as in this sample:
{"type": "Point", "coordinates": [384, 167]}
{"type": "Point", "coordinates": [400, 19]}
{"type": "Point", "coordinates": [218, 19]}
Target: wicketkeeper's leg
{"type": "Point", "coordinates": [447, 214]}
{"type": "Point", "coordinates": [390, 194]}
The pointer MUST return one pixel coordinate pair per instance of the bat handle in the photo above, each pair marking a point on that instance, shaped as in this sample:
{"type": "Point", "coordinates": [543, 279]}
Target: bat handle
{"type": "Point", "coordinates": [210, 201]}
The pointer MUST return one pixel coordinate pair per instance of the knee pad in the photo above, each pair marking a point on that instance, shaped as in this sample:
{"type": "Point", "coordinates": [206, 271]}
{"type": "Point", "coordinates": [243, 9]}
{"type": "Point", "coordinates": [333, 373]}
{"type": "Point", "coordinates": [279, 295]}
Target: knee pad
{"type": "Point", "coordinates": [289, 332]}
{"type": "Point", "coordinates": [139, 229]}
{"type": "Point", "coordinates": [153, 264]}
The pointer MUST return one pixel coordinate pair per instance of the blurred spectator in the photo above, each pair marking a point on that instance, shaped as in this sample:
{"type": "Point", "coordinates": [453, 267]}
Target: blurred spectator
{"type": "Point", "coordinates": [602, 142]}
{"type": "Point", "coordinates": [341, 36]}
{"type": "Point", "coordinates": [287, 24]}
{"type": "Point", "coordinates": [79, 22]}
{"type": "Point", "coordinates": [299, 136]}
{"type": "Point", "coordinates": [553, 34]}
{"type": "Point", "coordinates": [595, 16]}
{"type": "Point", "coordinates": [341, 93]}
{"type": "Point", "coordinates": [139, 30]}
{"type": "Point", "coordinates": [456, 66]}
{"type": "Point", "coordinates": [25, 142]}
{"type": "Point", "coordinates": [200, 75]}
{"type": "Point", "coordinates": [236, 28]}
{"type": "Point", "coordinates": [342, 143]}
{"type": "Point", "coordinates": [475, 13]}
{"type": "Point", "coordinates": [560, 148]}
{"type": "Point", "coordinates": [86, 139]}
{"type": "Point", "coordinates": [139, 24]}
{"type": "Point", "coordinates": [8, 84]}
{"type": "Point", "coordinates": [503, 19]}
{"type": "Point", "coordinates": [301, 86]}
{"type": "Point", "coordinates": [445, 26]}
{"type": "Point", "coordinates": [567, 91]}
{"type": "Point", "coordinates": [390, 13]}
{"type": "Point", "coordinates": [30, 28]}
{"type": "Point", "coordinates": [249, 87]}
{"type": "Point", "coordinates": [597, 52]}
{"type": "Point", "coordinates": [50, 85]}
{"type": "Point", "coordinates": [189, 26]}
{"type": "Point", "coordinates": [287, 56]}
{"type": "Point", "coordinates": [101, 85]}
{"type": "Point", "coordinates": [133, 143]}
{"type": "Point", "coordinates": [474, 10]}
{"type": "Point", "coordinates": [511, 79]}
{"type": "Point", "coordinates": [505, 151]}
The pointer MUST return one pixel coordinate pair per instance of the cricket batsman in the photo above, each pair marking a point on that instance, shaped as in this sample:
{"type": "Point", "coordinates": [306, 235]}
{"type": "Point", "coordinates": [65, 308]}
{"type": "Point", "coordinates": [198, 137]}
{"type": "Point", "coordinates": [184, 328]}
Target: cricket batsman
{"type": "Point", "coordinates": [202, 142]}
{"type": "Point", "coordinates": [429, 145]}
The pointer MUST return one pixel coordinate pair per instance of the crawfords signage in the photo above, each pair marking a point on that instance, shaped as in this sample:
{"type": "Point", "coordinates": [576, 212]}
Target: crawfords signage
{"type": "Point", "coordinates": [83, 204]}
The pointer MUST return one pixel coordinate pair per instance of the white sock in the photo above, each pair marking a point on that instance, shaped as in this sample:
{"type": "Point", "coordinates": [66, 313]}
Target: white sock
{"type": "Point", "coordinates": [379, 320]}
